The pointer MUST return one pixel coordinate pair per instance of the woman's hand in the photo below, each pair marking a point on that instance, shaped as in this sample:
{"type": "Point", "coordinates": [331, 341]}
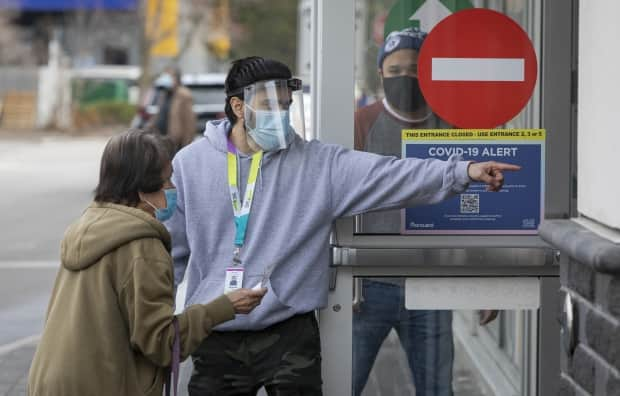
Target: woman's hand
{"type": "Point", "coordinates": [245, 300]}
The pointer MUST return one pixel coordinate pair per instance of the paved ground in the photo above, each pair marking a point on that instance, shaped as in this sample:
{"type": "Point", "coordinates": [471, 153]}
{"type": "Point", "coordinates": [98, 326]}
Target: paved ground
{"type": "Point", "coordinates": [47, 180]}
{"type": "Point", "coordinates": [14, 370]}
{"type": "Point", "coordinates": [391, 376]}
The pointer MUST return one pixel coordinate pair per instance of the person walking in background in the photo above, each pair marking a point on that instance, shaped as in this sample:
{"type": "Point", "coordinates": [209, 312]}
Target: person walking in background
{"type": "Point", "coordinates": [425, 335]}
{"type": "Point", "coordinates": [109, 328]}
{"type": "Point", "coordinates": [175, 117]}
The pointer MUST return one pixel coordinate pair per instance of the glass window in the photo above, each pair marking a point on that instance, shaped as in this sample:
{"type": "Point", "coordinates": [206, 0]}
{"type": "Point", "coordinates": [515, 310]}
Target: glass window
{"type": "Point", "coordinates": [397, 351]}
{"type": "Point", "coordinates": [425, 352]}
{"type": "Point", "coordinates": [388, 98]}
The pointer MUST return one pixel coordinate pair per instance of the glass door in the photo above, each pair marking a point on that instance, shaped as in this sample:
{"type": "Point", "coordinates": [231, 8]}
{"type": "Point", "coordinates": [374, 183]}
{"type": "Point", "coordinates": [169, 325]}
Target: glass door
{"type": "Point", "coordinates": [374, 342]}
{"type": "Point", "coordinates": [415, 338]}
{"type": "Point", "coordinates": [425, 351]}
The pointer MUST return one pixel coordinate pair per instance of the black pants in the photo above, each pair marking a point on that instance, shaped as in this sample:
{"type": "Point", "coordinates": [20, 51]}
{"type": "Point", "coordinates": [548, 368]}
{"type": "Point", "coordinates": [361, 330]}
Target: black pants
{"type": "Point", "coordinates": [285, 358]}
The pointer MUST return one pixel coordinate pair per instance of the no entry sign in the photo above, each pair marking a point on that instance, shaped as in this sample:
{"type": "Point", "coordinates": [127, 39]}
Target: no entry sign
{"type": "Point", "coordinates": [477, 69]}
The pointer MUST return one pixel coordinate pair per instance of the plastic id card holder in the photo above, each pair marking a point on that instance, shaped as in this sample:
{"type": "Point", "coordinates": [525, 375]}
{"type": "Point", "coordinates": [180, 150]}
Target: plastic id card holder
{"type": "Point", "coordinates": [234, 279]}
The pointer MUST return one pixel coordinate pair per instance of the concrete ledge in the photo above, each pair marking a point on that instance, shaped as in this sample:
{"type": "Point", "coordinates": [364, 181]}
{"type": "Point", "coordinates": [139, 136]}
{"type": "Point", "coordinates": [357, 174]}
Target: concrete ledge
{"type": "Point", "coordinates": [582, 245]}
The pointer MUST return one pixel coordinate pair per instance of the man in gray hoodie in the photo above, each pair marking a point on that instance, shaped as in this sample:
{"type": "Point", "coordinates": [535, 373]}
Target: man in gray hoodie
{"type": "Point", "coordinates": [256, 205]}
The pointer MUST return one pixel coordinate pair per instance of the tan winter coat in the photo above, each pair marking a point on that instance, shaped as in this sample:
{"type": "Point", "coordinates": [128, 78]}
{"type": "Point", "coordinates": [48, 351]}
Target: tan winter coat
{"type": "Point", "coordinates": [109, 322]}
{"type": "Point", "coordinates": [182, 120]}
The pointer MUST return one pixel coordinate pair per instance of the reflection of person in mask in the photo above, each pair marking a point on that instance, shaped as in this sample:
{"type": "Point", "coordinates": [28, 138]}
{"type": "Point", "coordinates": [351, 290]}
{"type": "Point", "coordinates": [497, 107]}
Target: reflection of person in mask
{"type": "Point", "coordinates": [400, 83]}
{"type": "Point", "coordinates": [426, 335]}
{"type": "Point", "coordinates": [378, 126]}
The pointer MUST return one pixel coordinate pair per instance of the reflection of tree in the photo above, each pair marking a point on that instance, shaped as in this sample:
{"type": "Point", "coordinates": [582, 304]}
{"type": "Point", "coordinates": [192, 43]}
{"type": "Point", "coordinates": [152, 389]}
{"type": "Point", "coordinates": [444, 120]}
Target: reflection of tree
{"type": "Point", "coordinates": [265, 28]}
{"type": "Point", "coordinates": [87, 24]}
{"type": "Point", "coordinates": [13, 49]}
{"type": "Point", "coordinates": [154, 33]}
{"type": "Point", "coordinates": [151, 35]}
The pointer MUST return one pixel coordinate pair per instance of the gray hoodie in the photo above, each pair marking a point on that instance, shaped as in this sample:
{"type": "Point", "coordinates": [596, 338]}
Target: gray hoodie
{"type": "Point", "coordinates": [299, 194]}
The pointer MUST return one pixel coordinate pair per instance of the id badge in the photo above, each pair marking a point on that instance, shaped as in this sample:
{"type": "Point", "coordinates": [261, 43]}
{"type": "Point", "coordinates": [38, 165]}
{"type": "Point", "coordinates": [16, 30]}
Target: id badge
{"type": "Point", "coordinates": [234, 279]}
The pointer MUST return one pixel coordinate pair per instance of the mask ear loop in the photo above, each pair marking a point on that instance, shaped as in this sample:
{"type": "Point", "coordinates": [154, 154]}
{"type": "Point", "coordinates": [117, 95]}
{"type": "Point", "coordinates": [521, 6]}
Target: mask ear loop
{"type": "Point", "coordinates": [150, 204]}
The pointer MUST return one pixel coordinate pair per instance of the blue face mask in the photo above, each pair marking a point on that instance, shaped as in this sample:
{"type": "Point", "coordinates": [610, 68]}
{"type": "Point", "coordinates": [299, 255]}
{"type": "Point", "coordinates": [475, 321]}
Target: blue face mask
{"type": "Point", "coordinates": [273, 130]}
{"type": "Point", "coordinates": [163, 214]}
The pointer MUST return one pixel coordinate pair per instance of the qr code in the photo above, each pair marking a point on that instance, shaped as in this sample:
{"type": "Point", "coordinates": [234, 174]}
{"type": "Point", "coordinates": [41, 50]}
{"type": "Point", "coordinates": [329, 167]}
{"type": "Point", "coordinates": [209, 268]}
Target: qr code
{"type": "Point", "coordinates": [470, 203]}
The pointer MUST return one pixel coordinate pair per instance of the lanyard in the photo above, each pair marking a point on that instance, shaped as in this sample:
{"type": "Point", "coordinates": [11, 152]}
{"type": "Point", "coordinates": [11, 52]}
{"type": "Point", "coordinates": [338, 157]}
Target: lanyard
{"type": "Point", "coordinates": [242, 210]}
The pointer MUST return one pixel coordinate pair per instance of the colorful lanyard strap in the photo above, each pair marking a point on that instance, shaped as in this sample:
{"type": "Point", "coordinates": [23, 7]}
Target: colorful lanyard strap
{"type": "Point", "coordinates": [242, 210]}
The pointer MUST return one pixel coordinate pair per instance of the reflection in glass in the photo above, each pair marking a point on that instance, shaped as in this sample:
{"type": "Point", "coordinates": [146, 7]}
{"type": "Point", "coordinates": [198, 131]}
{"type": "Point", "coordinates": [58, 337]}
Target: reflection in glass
{"type": "Point", "coordinates": [425, 336]}
{"type": "Point", "coordinates": [436, 352]}
{"type": "Point", "coordinates": [425, 352]}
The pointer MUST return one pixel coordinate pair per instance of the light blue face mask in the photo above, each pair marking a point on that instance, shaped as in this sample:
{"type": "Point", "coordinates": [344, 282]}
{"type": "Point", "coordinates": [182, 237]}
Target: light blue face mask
{"type": "Point", "coordinates": [163, 214]}
{"type": "Point", "coordinates": [273, 130]}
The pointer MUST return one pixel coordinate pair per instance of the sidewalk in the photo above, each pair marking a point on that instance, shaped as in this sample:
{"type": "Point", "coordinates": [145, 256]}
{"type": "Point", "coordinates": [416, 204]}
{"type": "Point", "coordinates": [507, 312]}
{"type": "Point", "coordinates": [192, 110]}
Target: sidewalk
{"type": "Point", "coordinates": [37, 134]}
{"type": "Point", "coordinates": [14, 366]}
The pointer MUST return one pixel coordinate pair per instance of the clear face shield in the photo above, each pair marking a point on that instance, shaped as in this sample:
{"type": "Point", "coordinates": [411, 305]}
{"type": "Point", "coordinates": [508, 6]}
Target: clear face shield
{"type": "Point", "coordinates": [273, 112]}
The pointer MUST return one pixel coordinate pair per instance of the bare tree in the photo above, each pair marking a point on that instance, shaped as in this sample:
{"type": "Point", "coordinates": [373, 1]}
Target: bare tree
{"type": "Point", "coordinates": [87, 23]}
{"type": "Point", "coordinates": [152, 34]}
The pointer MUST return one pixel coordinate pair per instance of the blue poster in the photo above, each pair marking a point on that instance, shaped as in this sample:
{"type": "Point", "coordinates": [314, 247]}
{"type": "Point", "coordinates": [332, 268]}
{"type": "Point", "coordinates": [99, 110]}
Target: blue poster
{"type": "Point", "coordinates": [516, 209]}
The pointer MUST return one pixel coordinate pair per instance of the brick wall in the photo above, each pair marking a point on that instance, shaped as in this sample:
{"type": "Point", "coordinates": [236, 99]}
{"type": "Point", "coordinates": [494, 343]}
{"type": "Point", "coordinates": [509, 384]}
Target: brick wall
{"type": "Point", "coordinates": [594, 366]}
{"type": "Point", "coordinates": [590, 274]}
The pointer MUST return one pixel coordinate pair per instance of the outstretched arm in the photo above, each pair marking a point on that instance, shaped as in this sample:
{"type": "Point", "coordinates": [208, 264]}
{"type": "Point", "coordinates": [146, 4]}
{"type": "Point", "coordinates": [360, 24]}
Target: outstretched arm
{"type": "Point", "coordinates": [363, 182]}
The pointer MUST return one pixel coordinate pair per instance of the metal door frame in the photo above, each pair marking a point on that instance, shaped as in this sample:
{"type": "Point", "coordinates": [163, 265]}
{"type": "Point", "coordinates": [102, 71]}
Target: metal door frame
{"type": "Point", "coordinates": [333, 103]}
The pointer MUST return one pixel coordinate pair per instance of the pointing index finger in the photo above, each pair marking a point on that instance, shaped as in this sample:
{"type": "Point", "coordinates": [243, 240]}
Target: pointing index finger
{"type": "Point", "coordinates": [505, 166]}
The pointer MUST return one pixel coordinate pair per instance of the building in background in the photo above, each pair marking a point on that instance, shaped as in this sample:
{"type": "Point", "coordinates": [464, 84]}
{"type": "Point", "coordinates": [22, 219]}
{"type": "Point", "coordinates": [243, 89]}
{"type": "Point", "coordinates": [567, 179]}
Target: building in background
{"type": "Point", "coordinates": [57, 56]}
{"type": "Point", "coordinates": [89, 31]}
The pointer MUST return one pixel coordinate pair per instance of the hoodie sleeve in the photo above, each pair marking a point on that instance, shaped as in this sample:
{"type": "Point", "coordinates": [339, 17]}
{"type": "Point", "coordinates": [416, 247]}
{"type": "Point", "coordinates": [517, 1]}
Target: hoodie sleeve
{"type": "Point", "coordinates": [177, 228]}
{"type": "Point", "coordinates": [363, 182]}
{"type": "Point", "coordinates": [146, 298]}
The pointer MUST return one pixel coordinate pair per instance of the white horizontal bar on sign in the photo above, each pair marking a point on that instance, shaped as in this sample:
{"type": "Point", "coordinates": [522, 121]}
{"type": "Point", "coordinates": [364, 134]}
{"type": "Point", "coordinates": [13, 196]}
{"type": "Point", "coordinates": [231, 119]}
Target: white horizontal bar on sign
{"type": "Point", "coordinates": [478, 69]}
{"type": "Point", "coordinates": [472, 293]}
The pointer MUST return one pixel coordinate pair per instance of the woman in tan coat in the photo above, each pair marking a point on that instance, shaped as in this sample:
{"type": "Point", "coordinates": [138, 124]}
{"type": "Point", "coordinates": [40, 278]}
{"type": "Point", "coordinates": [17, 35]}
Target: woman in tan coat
{"type": "Point", "coordinates": [109, 327]}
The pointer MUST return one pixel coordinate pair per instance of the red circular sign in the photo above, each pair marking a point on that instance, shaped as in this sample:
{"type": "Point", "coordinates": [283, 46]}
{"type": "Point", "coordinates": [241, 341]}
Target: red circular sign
{"type": "Point", "coordinates": [477, 69]}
